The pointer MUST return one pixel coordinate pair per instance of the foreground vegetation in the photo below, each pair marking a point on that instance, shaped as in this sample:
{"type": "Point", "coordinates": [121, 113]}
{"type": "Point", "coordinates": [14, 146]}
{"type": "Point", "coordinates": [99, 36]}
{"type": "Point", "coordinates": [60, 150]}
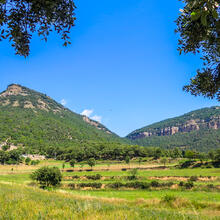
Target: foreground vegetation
{"type": "Point", "coordinates": [119, 191]}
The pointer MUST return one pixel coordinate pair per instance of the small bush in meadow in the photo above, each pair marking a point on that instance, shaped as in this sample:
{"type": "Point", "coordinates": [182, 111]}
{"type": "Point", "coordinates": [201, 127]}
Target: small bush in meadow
{"type": "Point", "coordinates": [169, 199]}
{"type": "Point", "coordinates": [47, 176]}
{"type": "Point", "coordinates": [193, 178]}
{"type": "Point", "coordinates": [94, 177]}
{"type": "Point", "coordinates": [93, 185]}
{"type": "Point", "coordinates": [155, 183]}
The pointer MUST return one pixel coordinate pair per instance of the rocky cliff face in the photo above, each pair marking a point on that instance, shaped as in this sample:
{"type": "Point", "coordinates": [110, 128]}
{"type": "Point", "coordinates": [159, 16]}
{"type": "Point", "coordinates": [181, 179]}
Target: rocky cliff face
{"type": "Point", "coordinates": [188, 126]}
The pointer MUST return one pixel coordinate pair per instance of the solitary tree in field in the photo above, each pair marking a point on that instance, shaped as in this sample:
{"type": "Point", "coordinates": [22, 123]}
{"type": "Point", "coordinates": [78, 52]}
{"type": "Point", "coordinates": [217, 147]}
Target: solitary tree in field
{"type": "Point", "coordinates": [91, 162]}
{"type": "Point", "coordinates": [47, 176]}
{"type": "Point", "coordinates": [199, 29]}
{"type": "Point", "coordinates": [164, 161]}
{"type": "Point", "coordinates": [72, 163]}
{"type": "Point", "coordinates": [127, 160]}
{"type": "Point", "coordinates": [20, 19]}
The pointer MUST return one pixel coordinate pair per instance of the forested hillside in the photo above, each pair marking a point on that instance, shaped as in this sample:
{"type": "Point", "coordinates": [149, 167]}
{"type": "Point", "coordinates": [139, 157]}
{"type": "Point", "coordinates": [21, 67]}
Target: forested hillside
{"type": "Point", "coordinates": [198, 130]}
{"type": "Point", "coordinates": [35, 121]}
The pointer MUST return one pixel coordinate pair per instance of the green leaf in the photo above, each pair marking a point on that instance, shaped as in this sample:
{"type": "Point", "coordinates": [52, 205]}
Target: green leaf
{"type": "Point", "coordinates": [215, 14]}
{"type": "Point", "coordinates": [195, 15]}
{"type": "Point", "coordinates": [204, 19]}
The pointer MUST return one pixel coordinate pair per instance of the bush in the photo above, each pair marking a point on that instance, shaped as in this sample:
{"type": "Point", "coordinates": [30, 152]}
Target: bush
{"type": "Point", "coordinates": [193, 178]}
{"type": "Point", "coordinates": [93, 185]}
{"type": "Point", "coordinates": [155, 183]}
{"type": "Point", "coordinates": [94, 177]}
{"type": "Point", "coordinates": [189, 185]}
{"type": "Point", "coordinates": [169, 199]}
{"type": "Point", "coordinates": [72, 185]}
{"type": "Point", "coordinates": [115, 185]}
{"type": "Point", "coordinates": [35, 162]}
{"type": "Point", "coordinates": [75, 177]}
{"type": "Point", "coordinates": [137, 185]}
{"type": "Point", "coordinates": [47, 176]}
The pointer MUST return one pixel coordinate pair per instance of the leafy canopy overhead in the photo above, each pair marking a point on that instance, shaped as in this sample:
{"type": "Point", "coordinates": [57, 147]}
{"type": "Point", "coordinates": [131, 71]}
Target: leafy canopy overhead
{"type": "Point", "coordinates": [19, 19]}
{"type": "Point", "coordinates": [199, 29]}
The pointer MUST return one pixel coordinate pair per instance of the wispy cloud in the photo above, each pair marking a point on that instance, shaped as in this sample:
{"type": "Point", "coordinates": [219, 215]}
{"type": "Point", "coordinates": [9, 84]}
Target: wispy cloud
{"type": "Point", "coordinates": [63, 102]}
{"type": "Point", "coordinates": [88, 113]}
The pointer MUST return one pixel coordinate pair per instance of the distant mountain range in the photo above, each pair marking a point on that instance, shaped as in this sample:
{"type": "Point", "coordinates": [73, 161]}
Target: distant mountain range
{"type": "Point", "coordinates": [29, 118]}
{"type": "Point", "coordinates": [32, 119]}
{"type": "Point", "coordinates": [198, 130]}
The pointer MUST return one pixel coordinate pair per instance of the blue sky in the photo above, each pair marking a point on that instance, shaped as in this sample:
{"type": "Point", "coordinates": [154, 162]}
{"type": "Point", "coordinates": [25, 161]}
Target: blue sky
{"type": "Point", "coordinates": [122, 67]}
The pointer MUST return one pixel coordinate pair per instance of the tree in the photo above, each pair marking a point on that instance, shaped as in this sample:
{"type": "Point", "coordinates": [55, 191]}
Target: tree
{"type": "Point", "coordinates": [91, 162]}
{"type": "Point", "coordinates": [164, 161]}
{"type": "Point", "coordinates": [19, 20]}
{"type": "Point", "coordinates": [27, 160]}
{"type": "Point", "coordinates": [47, 176]}
{"type": "Point", "coordinates": [199, 29]}
{"type": "Point", "coordinates": [72, 163]}
{"type": "Point", "coordinates": [127, 160]}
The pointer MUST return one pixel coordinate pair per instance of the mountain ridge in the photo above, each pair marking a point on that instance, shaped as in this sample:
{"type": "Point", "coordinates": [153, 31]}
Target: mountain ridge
{"type": "Point", "coordinates": [31, 118]}
{"type": "Point", "coordinates": [199, 123]}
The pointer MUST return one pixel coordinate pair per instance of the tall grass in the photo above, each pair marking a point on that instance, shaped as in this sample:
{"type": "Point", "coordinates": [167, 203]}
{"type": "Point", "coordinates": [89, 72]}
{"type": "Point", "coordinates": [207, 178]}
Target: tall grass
{"type": "Point", "coordinates": [19, 203]}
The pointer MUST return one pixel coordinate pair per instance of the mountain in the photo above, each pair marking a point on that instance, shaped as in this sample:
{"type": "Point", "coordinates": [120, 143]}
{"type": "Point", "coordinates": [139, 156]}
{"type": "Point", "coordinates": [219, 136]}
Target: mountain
{"type": "Point", "coordinates": [198, 129]}
{"type": "Point", "coordinates": [31, 119]}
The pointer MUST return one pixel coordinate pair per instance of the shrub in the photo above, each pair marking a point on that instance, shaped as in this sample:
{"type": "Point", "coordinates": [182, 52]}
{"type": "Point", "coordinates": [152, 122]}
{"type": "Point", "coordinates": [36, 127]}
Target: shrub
{"type": "Point", "coordinates": [93, 185]}
{"type": "Point", "coordinates": [72, 185]}
{"type": "Point", "coordinates": [189, 185]}
{"type": "Point", "coordinates": [47, 176]}
{"type": "Point", "coordinates": [134, 173]}
{"type": "Point", "coordinates": [35, 162]}
{"type": "Point", "coordinates": [76, 177]}
{"type": "Point", "coordinates": [115, 185]}
{"type": "Point", "coordinates": [181, 183]}
{"type": "Point", "coordinates": [27, 160]}
{"type": "Point", "coordinates": [155, 183]}
{"type": "Point", "coordinates": [193, 178]}
{"type": "Point", "coordinates": [94, 177]}
{"type": "Point", "coordinates": [169, 198]}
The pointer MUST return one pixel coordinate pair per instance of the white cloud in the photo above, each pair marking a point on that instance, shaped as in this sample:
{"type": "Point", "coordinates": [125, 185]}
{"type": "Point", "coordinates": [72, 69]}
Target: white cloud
{"type": "Point", "coordinates": [87, 112]}
{"type": "Point", "coordinates": [63, 102]}
{"type": "Point", "coordinates": [97, 118]}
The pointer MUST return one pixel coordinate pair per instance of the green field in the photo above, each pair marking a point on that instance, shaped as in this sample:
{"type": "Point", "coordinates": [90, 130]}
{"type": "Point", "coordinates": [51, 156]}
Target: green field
{"type": "Point", "coordinates": [20, 198]}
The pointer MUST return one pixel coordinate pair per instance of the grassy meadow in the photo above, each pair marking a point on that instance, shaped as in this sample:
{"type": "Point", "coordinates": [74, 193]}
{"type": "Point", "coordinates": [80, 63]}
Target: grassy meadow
{"type": "Point", "coordinates": [108, 192]}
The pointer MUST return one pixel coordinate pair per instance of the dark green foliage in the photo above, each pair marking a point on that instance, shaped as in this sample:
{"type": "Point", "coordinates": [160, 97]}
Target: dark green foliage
{"type": "Point", "coordinates": [134, 173]}
{"type": "Point", "coordinates": [76, 177]}
{"type": "Point", "coordinates": [11, 157]}
{"type": "Point", "coordinates": [27, 160]}
{"type": "Point", "coordinates": [169, 199]}
{"type": "Point", "coordinates": [35, 162]}
{"type": "Point", "coordinates": [47, 176]}
{"type": "Point", "coordinates": [189, 185]}
{"type": "Point", "coordinates": [193, 178]}
{"type": "Point", "coordinates": [93, 185]}
{"type": "Point", "coordinates": [19, 20]}
{"type": "Point", "coordinates": [198, 26]}
{"type": "Point", "coordinates": [72, 163]}
{"type": "Point", "coordinates": [155, 183]}
{"type": "Point", "coordinates": [91, 162]}
{"type": "Point", "coordinates": [94, 177]}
